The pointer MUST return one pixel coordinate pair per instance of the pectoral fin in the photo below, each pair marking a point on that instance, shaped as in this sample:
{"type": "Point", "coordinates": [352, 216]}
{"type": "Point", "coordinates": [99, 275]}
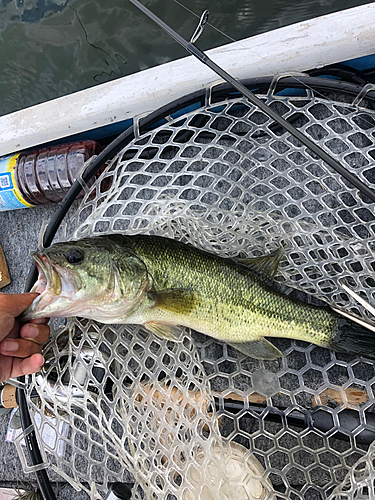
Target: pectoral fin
{"type": "Point", "coordinates": [267, 265]}
{"type": "Point", "coordinates": [165, 330]}
{"type": "Point", "coordinates": [176, 300]}
{"type": "Point", "coordinates": [258, 349]}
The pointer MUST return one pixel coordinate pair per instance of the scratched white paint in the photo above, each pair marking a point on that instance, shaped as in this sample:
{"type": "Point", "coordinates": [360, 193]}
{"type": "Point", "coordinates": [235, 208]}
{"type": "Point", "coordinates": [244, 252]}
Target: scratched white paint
{"type": "Point", "coordinates": [324, 40]}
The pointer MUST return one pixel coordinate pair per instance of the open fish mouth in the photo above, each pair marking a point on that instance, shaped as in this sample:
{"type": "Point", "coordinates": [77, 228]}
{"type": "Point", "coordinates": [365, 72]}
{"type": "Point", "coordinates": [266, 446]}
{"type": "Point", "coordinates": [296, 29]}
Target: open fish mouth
{"type": "Point", "coordinates": [54, 291]}
{"type": "Point", "coordinates": [48, 279]}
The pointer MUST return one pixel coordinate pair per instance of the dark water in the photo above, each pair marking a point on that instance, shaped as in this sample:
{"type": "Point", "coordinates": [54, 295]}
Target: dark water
{"type": "Point", "coordinates": [49, 48]}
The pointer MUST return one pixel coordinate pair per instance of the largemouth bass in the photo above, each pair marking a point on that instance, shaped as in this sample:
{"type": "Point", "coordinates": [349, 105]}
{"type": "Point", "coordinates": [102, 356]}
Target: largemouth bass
{"type": "Point", "coordinates": [161, 284]}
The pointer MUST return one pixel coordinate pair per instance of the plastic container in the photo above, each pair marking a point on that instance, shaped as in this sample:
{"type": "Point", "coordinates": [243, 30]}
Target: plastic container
{"type": "Point", "coordinates": [42, 176]}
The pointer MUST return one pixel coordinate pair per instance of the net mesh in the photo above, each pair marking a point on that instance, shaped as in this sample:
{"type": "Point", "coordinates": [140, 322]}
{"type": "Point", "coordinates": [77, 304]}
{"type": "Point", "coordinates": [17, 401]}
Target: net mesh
{"type": "Point", "coordinates": [198, 419]}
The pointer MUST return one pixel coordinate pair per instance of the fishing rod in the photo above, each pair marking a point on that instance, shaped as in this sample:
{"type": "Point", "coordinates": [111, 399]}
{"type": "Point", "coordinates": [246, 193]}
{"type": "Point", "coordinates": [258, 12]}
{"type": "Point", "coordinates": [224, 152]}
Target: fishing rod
{"type": "Point", "coordinates": [199, 54]}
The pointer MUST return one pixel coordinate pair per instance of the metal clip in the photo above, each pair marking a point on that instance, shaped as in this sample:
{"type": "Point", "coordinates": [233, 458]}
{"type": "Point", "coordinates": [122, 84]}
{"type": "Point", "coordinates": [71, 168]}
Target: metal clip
{"type": "Point", "coordinates": [33, 468]}
{"type": "Point", "coordinates": [199, 29]}
{"type": "Point", "coordinates": [286, 74]}
{"type": "Point", "coordinates": [209, 89]}
{"type": "Point", "coordinates": [79, 177]}
{"type": "Point", "coordinates": [63, 231]}
{"type": "Point", "coordinates": [365, 90]}
{"type": "Point", "coordinates": [42, 232]}
{"type": "Point", "coordinates": [136, 120]}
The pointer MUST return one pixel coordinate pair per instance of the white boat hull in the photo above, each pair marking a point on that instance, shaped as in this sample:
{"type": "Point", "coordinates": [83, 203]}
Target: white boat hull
{"type": "Point", "coordinates": [310, 44]}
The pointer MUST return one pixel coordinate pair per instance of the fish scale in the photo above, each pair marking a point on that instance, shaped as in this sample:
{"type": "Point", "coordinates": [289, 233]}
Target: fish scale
{"type": "Point", "coordinates": [231, 302]}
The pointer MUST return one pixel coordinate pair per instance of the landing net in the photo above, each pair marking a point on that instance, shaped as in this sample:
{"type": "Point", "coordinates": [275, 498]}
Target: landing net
{"type": "Point", "coordinates": [198, 419]}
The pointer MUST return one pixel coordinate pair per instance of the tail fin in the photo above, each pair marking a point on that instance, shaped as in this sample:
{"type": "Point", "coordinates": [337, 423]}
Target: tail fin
{"type": "Point", "coordinates": [353, 336]}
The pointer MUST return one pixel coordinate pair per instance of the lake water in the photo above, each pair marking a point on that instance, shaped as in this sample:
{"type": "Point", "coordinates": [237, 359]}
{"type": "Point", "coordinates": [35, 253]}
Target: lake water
{"type": "Point", "coordinates": [49, 48]}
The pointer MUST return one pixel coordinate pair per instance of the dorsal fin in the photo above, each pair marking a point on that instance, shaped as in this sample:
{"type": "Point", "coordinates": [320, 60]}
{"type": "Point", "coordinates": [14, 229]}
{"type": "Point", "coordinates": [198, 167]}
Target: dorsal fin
{"type": "Point", "coordinates": [267, 265]}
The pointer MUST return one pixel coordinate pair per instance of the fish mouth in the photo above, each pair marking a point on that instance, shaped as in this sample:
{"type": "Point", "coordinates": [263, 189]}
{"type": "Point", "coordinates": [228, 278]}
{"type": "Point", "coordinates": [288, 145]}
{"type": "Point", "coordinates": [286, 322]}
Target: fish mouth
{"type": "Point", "coordinates": [54, 291]}
{"type": "Point", "coordinates": [48, 278]}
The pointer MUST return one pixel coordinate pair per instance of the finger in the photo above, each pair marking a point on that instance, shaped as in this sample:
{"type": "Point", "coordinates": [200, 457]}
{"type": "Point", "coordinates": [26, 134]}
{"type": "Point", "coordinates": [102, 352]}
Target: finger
{"type": "Point", "coordinates": [27, 366]}
{"type": "Point", "coordinates": [15, 303]}
{"type": "Point", "coordinates": [19, 348]}
{"type": "Point", "coordinates": [35, 333]}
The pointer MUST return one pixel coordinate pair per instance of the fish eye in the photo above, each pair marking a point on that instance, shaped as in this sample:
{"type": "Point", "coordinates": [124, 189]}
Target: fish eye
{"type": "Point", "coordinates": [74, 256]}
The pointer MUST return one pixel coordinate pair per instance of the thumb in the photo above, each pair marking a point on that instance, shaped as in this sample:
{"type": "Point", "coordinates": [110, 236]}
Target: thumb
{"type": "Point", "coordinates": [14, 304]}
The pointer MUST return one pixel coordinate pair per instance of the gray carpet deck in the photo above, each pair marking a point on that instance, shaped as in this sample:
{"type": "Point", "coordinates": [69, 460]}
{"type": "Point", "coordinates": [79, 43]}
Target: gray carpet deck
{"type": "Point", "coordinates": [19, 230]}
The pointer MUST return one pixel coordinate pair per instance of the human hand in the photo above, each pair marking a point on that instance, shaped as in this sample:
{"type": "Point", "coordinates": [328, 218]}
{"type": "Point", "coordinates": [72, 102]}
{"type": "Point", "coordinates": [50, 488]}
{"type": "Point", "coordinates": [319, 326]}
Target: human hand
{"type": "Point", "coordinates": [20, 345]}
